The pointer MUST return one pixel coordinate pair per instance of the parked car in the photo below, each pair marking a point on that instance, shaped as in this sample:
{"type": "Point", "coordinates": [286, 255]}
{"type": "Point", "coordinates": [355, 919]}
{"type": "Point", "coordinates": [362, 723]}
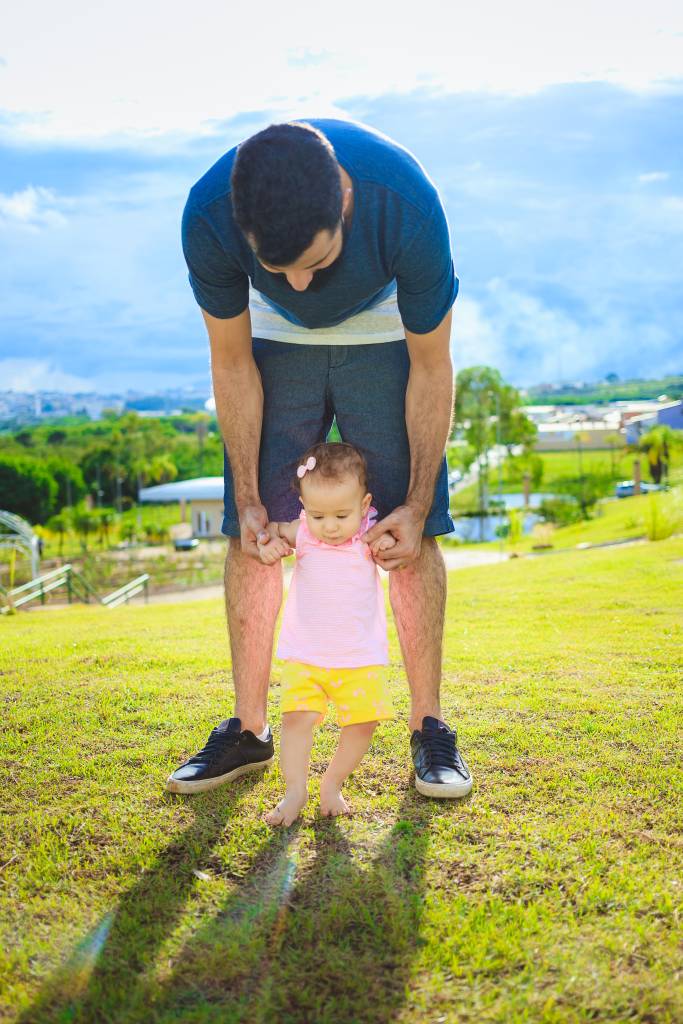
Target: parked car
{"type": "Point", "coordinates": [185, 543]}
{"type": "Point", "coordinates": [627, 488]}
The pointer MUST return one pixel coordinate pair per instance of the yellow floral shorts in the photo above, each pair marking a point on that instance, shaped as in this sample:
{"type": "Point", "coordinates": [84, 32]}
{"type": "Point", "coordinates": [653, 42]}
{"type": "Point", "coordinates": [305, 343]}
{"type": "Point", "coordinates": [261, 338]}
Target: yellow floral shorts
{"type": "Point", "coordinates": [359, 694]}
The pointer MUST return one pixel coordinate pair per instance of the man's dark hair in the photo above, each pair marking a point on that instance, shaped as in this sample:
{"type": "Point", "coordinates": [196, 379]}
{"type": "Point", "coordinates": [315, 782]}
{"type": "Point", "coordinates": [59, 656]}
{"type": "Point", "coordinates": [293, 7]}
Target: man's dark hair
{"type": "Point", "coordinates": [285, 189]}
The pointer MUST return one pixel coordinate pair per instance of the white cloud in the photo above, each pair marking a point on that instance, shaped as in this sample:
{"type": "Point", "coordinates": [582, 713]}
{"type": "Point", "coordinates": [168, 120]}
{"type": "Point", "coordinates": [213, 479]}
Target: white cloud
{"type": "Point", "coordinates": [651, 176]}
{"type": "Point", "coordinates": [78, 69]}
{"type": "Point", "coordinates": [38, 375]}
{"type": "Point", "coordinates": [473, 337]}
{"type": "Point", "coordinates": [531, 342]}
{"type": "Point", "coordinates": [32, 208]}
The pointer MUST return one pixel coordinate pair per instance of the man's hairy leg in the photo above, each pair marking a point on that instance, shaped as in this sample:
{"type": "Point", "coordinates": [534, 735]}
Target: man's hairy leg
{"type": "Point", "coordinates": [253, 595]}
{"type": "Point", "coordinates": [418, 599]}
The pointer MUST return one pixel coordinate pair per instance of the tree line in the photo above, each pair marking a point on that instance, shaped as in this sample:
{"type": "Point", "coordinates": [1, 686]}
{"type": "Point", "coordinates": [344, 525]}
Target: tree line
{"type": "Point", "coordinates": [97, 465]}
{"type": "Point", "coordinates": [52, 466]}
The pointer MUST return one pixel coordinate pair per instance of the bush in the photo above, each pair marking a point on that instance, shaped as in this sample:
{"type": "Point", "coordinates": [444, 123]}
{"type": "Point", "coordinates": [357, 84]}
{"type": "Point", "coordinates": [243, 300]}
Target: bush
{"type": "Point", "coordinates": [26, 488]}
{"type": "Point", "coordinates": [664, 515]}
{"type": "Point", "coordinates": [517, 465]}
{"type": "Point", "coordinates": [156, 532]}
{"type": "Point", "coordinates": [560, 511]}
{"type": "Point", "coordinates": [586, 490]}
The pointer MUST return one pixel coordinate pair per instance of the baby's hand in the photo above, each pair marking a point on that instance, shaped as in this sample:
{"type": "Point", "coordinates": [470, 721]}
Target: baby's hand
{"type": "Point", "coordinates": [274, 548]}
{"type": "Point", "coordinates": [383, 543]}
{"type": "Point", "coordinates": [273, 551]}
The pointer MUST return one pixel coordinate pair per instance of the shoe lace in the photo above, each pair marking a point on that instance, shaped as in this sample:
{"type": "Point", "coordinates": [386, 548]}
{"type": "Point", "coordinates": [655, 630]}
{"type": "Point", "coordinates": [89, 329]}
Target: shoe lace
{"type": "Point", "coordinates": [441, 751]}
{"type": "Point", "coordinates": [215, 745]}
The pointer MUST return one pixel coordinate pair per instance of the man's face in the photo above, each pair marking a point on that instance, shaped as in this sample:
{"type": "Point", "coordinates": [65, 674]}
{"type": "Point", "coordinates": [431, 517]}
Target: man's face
{"type": "Point", "coordinates": [325, 248]}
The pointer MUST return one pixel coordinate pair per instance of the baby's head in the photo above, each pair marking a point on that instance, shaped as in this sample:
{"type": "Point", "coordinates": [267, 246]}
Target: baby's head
{"type": "Point", "coordinates": [334, 492]}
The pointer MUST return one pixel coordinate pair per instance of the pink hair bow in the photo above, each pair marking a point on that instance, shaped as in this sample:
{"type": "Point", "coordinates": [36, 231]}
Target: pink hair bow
{"type": "Point", "coordinates": [309, 464]}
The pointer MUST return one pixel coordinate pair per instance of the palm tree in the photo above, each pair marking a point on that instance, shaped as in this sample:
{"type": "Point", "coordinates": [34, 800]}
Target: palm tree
{"type": "Point", "coordinates": [105, 520]}
{"type": "Point", "coordinates": [658, 444]}
{"type": "Point", "coordinates": [85, 523]}
{"type": "Point", "coordinates": [60, 524]}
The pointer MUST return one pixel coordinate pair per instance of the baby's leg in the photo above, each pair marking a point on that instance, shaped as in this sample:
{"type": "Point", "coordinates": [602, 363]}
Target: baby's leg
{"type": "Point", "coordinates": [353, 744]}
{"type": "Point", "coordinates": [295, 753]}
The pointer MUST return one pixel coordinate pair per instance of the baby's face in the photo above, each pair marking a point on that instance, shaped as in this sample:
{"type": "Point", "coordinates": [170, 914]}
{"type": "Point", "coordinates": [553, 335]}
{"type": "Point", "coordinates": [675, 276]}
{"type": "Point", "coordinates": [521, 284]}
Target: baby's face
{"type": "Point", "coordinates": [334, 508]}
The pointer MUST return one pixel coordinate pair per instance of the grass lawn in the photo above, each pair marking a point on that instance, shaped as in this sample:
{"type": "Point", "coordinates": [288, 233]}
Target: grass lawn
{"type": "Point", "coordinates": [551, 895]}
{"type": "Point", "coordinates": [613, 519]}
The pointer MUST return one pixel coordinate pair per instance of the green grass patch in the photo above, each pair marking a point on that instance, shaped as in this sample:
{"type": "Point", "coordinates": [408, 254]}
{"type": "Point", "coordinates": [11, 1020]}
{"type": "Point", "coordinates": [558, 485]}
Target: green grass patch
{"type": "Point", "coordinates": [617, 519]}
{"type": "Point", "coordinates": [551, 895]}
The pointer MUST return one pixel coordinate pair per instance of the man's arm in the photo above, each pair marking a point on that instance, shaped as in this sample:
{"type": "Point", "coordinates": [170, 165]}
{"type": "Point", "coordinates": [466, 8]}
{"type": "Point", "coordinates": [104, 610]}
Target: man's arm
{"type": "Point", "coordinates": [429, 412]}
{"type": "Point", "coordinates": [238, 392]}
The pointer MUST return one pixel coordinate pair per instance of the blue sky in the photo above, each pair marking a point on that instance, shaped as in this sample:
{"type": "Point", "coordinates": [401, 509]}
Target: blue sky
{"type": "Point", "coordinates": [560, 164]}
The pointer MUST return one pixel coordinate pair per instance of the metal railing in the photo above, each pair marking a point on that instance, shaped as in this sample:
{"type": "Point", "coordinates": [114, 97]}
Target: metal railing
{"type": "Point", "coordinates": [77, 588]}
{"type": "Point", "coordinates": [124, 594]}
{"type": "Point", "coordinates": [41, 586]}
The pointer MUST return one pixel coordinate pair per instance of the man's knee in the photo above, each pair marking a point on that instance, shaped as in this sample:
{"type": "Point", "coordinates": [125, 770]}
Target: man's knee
{"type": "Point", "coordinates": [430, 557]}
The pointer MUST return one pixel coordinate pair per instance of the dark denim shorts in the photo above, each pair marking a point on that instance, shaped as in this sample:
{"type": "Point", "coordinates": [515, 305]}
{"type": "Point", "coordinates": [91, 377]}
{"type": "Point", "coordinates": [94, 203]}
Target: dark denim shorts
{"type": "Point", "coordinates": [304, 388]}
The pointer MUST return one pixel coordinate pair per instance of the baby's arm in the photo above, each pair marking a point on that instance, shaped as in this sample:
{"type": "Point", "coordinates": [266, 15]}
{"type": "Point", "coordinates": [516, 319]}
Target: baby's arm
{"type": "Point", "coordinates": [288, 531]}
{"type": "Point", "coordinates": [282, 540]}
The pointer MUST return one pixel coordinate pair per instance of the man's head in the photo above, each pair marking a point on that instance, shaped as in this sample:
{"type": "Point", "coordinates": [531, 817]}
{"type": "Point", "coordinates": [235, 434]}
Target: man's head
{"type": "Point", "coordinates": [287, 200]}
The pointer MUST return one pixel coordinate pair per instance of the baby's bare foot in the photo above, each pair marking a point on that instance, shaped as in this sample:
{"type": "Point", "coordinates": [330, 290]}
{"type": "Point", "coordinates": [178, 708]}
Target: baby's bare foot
{"type": "Point", "coordinates": [288, 809]}
{"type": "Point", "coordinates": [332, 803]}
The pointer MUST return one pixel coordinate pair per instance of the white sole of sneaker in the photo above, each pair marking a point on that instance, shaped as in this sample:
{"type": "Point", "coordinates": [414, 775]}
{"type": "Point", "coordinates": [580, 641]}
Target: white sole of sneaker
{"type": "Point", "coordinates": [175, 786]}
{"type": "Point", "coordinates": [443, 790]}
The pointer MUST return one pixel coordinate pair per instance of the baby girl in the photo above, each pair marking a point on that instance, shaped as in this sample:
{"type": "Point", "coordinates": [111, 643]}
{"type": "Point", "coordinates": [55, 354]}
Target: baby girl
{"type": "Point", "coordinates": [334, 632]}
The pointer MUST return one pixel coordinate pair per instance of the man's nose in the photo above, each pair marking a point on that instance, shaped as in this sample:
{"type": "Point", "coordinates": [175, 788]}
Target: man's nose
{"type": "Point", "coordinates": [300, 279]}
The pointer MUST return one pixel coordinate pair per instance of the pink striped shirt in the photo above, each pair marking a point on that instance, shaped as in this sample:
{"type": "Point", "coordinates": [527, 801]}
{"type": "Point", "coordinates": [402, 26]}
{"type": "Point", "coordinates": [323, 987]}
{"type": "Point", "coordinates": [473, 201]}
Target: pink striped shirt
{"type": "Point", "coordinates": [334, 615]}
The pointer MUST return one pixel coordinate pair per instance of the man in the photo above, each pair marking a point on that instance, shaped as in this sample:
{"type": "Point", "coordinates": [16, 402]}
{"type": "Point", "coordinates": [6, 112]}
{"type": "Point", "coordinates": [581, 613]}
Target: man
{"type": "Point", "coordinates": [320, 257]}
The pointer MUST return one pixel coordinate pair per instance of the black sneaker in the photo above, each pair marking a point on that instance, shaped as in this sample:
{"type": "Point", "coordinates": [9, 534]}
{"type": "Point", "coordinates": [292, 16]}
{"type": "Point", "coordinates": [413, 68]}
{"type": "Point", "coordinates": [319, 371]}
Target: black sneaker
{"type": "Point", "coordinates": [440, 770]}
{"type": "Point", "coordinates": [228, 753]}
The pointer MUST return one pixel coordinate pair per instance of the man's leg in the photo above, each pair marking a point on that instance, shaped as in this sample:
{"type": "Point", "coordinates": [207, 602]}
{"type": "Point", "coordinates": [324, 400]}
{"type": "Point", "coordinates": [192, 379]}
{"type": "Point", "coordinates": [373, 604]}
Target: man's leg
{"type": "Point", "coordinates": [253, 595]}
{"type": "Point", "coordinates": [295, 416]}
{"type": "Point", "coordinates": [418, 599]}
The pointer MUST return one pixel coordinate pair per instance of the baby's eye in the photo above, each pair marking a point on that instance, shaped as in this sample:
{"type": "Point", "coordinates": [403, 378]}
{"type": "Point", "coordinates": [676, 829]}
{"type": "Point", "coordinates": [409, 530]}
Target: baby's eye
{"type": "Point", "coordinates": [342, 517]}
{"type": "Point", "coordinates": [317, 517]}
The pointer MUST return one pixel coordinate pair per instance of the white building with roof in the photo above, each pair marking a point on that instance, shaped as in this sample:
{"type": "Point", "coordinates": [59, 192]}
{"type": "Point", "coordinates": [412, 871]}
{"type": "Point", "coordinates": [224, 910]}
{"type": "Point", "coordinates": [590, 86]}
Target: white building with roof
{"type": "Point", "coordinates": [203, 496]}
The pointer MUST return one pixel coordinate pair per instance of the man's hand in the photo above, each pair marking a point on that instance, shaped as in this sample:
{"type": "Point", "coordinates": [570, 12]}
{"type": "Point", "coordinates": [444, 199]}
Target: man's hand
{"type": "Point", "coordinates": [253, 528]}
{"type": "Point", "coordinates": [405, 524]}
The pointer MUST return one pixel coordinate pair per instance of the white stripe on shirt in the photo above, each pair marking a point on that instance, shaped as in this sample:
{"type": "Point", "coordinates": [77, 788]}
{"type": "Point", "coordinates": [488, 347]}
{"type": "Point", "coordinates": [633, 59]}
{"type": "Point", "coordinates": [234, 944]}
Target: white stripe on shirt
{"type": "Point", "coordinates": [382, 323]}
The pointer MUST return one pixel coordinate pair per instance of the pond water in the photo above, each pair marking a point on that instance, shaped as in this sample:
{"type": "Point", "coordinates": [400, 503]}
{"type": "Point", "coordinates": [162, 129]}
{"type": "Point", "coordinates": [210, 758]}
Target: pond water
{"type": "Point", "coordinates": [474, 529]}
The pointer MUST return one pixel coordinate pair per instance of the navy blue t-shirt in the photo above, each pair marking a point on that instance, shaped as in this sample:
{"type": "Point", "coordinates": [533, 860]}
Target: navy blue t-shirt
{"type": "Point", "coordinates": [398, 239]}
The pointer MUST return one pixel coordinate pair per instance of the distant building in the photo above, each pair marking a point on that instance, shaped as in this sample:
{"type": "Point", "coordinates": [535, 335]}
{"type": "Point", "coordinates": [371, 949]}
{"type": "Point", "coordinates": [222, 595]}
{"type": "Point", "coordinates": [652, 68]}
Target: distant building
{"type": "Point", "coordinates": [600, 425]}
{"type": "Point", "coordinates": [669, 415]}
{"type": "Point", "coordinates": [203, 495]}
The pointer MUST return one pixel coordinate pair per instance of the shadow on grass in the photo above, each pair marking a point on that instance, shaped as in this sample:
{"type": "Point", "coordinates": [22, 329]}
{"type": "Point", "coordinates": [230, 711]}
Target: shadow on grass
{"type": "Point", "coordinates": [322, 929]}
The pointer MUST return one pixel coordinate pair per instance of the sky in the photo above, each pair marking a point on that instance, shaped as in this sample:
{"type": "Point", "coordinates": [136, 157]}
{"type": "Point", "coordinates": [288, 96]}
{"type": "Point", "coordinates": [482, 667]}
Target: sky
{"type": "Point", "coordinates": [555, 137]}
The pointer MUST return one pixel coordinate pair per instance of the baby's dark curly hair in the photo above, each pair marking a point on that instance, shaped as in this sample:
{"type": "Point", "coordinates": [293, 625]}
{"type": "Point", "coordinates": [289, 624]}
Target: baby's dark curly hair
{"type": "Point", "coordinates": [333, 461]}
